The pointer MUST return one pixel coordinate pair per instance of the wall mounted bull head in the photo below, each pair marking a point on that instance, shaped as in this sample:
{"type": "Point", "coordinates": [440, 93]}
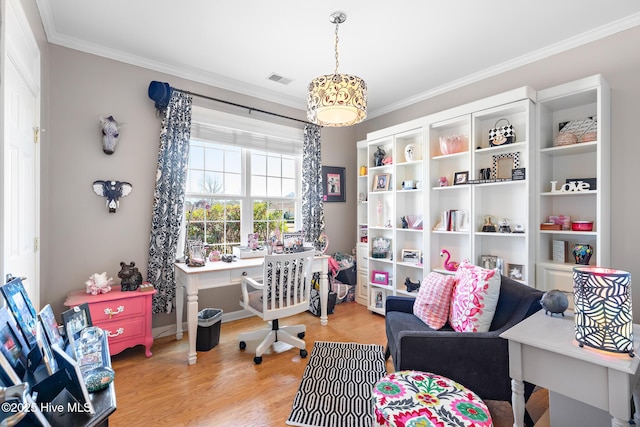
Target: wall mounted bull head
{"type": "Point", "coordinates": [112, 190]}
{"type": "Point", "coordinates": [110, 134]}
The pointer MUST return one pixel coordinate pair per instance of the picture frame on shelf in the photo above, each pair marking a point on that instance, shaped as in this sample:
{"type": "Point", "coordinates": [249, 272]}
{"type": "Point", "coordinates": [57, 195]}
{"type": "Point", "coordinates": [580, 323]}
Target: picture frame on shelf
{"type": "Point", "coordinates": [334, 184]}
{"type": "Point", "coordinates": [12, 344]}
{"type": "Point", "coordinates": [489, 262]}
{"type": "Point", "coordinates": [515, 271]}
{"type": "Point", "coordinates": [460, 178]}
{"type": "Point", "coordinates": [381, 246]}
{"type": "Point", "coordinates": [47, 354]}
{"type": "Point", "coordinates": [381, 181]}
{"type": "Point", "coordinates": [503, 165]}
{"type": "Point", "coordinates": [50, 326]}
{"type": "Point", "coordinates": [378, 299]}
{"type": "Point", "coordinates": [20, 306]}
{"type": "Point", "coordinates": [75, 320]}
{"type": "Point", "coordinates": [76, 386]}
{"type": "Point", "coordinates": [380, 277]}
{"type": "Point", "coordinates": [411, 256]}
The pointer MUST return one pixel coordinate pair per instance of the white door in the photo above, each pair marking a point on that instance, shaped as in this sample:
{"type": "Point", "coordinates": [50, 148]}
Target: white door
{"type": "Point", "coordinates": [21, 152]}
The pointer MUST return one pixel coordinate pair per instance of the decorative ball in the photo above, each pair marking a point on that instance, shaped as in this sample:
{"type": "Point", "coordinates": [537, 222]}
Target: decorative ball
{"type": "Point", "coordinates": [554, 301]}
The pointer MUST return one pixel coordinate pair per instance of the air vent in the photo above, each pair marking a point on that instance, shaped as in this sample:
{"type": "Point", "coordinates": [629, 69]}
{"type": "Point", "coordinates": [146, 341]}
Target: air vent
{"type": "Point", "coordinates": [280, 79]}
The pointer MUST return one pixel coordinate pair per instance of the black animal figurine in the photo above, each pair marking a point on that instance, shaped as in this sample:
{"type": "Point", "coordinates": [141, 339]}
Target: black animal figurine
{"type": "Point", "coordinates": [131, 277]}
{"type": "Point", "coordinates": [411, 286]}
{"type": "Point", "coordinates": [554, 301]}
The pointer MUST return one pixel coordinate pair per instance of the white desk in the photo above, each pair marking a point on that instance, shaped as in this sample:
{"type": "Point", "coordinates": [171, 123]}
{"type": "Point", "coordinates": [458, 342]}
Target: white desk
{"type": "Point", "coordinates": [543, 351]}
{"type": "Point", "coordinates": [218, 274]}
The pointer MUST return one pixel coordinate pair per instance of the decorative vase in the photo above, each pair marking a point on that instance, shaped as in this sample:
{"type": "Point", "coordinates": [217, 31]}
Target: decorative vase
{"type": "Point", "coordinates": [409, 152]}
{"type": "Point", "coordinates": [451, 144]}
{"type": "Point", "coordinates": [582, 253]}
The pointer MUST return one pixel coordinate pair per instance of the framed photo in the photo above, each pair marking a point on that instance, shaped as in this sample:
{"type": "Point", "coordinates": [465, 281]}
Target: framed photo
{"type": "Point", "coordinates": [334, 184]}
{"type": "Point", "coordinates": [515, 271]}
{"type": "Point", "coordinates": [411, 256]}
{"type": "Point", "coordinates": [12, 344]}
{"type": "Point", "coordinates": [47, 354]}
{"type": "Point", "coordinates": [76, 385]}
{"type": "Point", "coordinates": [75, 320]}
{"type": "Point", "coordinates": [503, 164]}
{"type": "Point", "coordinates": [50, 326]}
{"type": "Point", "coordinates": [380, 247]}
{"type": "Point", "coordinates": [20, 305]}
{"type": "Point", "coordinates": [378, 299]}
{"type": "Point", "coordinates": [461, 178]}
{"type": "Point", "coordinates": [489, 261]}
{"type": "Point", "coordinates": [381, 181]}
{"type": "Point", "coordinates": [380, 277]}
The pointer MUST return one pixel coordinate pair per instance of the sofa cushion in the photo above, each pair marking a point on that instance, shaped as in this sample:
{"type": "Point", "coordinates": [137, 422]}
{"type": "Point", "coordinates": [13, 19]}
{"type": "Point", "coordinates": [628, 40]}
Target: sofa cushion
{"type": "Point", "coordinates": [474, 298]}
{"type": "Point", "coordinates": [433, 300]}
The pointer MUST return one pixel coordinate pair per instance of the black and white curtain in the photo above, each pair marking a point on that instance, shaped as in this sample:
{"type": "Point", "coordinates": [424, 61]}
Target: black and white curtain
{"type": "Point", "coordinates": [168, 199]}
{"type": "Point", "coordinates": [312, 205]}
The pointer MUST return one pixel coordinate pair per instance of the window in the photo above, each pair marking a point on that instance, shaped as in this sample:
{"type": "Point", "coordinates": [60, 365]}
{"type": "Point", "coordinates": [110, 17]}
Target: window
{"type": "Point", "coordinates": [240, 182]}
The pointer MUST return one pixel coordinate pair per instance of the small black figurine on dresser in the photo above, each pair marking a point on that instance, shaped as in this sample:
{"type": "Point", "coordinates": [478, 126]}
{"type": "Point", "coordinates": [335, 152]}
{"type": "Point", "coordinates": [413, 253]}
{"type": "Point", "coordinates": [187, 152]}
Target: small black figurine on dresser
{"type": "Point", "coordinates": [131, 277]}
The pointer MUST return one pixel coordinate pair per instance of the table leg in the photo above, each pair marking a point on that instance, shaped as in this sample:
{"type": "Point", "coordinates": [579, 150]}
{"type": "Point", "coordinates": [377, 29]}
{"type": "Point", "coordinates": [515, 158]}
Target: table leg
{"type": "Point", "coordinates": [179, 307]}
{"type": "Point", "coordinates": [192, 324]}
{"type": "Point", "coordinates": [517, 402]}
{"type": "Point", "coordinates": [324, 295]}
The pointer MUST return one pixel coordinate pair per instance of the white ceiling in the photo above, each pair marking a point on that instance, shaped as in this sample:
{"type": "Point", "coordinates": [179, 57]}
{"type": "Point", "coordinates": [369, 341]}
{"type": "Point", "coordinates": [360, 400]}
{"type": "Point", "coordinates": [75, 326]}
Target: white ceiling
{"type": "Point", "coordinates": [405, 52]}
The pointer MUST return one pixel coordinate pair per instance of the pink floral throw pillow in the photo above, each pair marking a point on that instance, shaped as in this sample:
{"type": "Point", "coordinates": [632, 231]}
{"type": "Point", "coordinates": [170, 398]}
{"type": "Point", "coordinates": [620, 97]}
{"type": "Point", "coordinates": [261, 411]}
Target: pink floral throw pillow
{"type": "Point", "coordinates": [474, 298]}
{"type": "Point", "coordinates": [432, 303]}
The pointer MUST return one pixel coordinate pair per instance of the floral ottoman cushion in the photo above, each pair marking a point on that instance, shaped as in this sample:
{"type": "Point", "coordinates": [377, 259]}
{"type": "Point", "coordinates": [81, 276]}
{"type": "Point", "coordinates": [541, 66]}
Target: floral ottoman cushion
{"type": "Point", "coordinates": [413, 398]}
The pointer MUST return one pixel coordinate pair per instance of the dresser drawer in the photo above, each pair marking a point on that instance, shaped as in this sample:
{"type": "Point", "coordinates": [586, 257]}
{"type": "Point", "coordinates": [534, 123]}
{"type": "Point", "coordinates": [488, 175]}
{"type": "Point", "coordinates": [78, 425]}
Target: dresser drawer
{"type": "Point", "coordinates": [123, 330]}
{"type": "Point", "coordinates": [117, 309]}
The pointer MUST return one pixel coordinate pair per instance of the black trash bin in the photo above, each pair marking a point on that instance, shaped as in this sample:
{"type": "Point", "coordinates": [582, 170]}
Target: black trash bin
{"type": "Point", "coordinates": [208, 334]}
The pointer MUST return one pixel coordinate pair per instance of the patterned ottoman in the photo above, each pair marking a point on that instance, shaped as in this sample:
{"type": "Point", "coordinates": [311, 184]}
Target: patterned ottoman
{"type": "Point", "coordinates": [412, 398]}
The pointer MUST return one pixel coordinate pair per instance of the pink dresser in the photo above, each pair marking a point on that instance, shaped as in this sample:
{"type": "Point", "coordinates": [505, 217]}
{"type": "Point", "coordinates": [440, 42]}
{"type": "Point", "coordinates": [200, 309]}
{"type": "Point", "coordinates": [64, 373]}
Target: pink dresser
{"type": "Point", "coordinates": [124, 316]}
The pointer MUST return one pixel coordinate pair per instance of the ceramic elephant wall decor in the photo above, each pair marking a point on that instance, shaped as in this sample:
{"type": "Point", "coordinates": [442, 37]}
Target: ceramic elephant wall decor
{"type": "Point", "coordinates": [110, 134]}
{"type": "Point", "coordinates": [112, 190]}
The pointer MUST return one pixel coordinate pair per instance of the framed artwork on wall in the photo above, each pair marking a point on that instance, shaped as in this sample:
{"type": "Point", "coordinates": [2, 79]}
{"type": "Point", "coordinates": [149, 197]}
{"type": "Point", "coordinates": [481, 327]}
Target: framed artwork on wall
{"type": "Point", "coordinates": [334, 184]}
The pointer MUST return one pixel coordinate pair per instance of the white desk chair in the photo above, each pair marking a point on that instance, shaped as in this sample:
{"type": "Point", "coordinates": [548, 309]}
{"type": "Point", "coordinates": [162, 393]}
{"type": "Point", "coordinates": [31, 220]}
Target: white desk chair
{"type": "Point", "coordinates": [284, 291]}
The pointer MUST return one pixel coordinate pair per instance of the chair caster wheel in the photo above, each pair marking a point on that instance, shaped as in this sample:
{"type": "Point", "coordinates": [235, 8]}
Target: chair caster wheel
{"type": "Point", "coordinates": [257, 360]}
{"type": "Point", "coordinates": [303, 353]}
{"type": "Point", "coordinates": [243, 345]}
{"type": "Point", "coordinates": [301, 335]}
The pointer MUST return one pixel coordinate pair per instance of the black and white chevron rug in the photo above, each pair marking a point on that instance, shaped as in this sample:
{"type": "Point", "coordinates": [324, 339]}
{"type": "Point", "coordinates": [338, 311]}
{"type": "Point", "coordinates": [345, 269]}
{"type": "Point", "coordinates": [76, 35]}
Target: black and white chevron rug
{"type": "Point", "coordinates": [335, 390]}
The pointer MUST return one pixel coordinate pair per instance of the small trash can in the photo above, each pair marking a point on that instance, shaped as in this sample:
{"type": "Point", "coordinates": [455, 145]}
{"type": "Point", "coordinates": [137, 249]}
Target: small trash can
{"type": "Point", "coordinates": [208, 334]}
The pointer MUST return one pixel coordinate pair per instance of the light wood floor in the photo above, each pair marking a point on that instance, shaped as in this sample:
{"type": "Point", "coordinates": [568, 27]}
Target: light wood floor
{"type": "Point", "coordinates": [225, 388]}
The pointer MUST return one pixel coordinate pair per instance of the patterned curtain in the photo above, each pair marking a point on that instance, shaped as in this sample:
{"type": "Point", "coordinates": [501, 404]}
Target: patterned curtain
{"type": "Point", "coordinates": [168, 199]}
{"type": "Point", "coordinates": [312, 206]}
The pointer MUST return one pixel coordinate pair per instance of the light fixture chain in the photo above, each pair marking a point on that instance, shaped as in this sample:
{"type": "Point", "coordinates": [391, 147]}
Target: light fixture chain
{"type": "Point", "coordinates": [336, 70]}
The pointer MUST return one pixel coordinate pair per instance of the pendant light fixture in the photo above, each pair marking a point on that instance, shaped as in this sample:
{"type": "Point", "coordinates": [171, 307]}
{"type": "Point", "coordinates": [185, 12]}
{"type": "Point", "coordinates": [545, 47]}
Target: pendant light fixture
{"type": "Point", "coordinates": [337, 99]}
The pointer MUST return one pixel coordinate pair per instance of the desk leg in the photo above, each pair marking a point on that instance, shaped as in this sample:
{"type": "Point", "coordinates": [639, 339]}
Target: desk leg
{"type": "Point", "coordinates": [192, 323]}
{"type": "Point", "coordinates": [179, 308]}
{"type": "Point", "coordinates": [517, 402]}
{"type": "Point", "coordinates": [324, 294]}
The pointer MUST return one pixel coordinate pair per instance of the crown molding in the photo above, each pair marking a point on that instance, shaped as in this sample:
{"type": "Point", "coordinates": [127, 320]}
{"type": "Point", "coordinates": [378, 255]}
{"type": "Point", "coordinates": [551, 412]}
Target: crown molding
{"type": "Point", "coordinates": [567, 44]}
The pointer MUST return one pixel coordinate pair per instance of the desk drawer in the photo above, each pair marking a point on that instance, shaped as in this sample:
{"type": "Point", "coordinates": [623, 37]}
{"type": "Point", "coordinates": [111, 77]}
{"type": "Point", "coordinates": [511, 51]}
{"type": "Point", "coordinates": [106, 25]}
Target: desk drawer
{"type": "Point", "coordinates": [238, 274]}
{"type": "Point", "coordinates": [117, 309]}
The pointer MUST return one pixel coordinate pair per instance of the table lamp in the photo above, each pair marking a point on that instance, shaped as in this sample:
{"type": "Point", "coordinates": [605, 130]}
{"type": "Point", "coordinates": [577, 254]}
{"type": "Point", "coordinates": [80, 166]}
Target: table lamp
{"type": "Point", "coordinates": [603, 317]}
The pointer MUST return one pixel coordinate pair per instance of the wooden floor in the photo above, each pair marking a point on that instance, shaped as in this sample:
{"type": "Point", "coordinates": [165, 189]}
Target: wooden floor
{"type": "Point", "coordinates": [225, 388]}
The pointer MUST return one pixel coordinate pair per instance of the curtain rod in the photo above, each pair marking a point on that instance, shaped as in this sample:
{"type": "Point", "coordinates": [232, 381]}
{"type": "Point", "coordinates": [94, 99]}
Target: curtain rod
{"type": "Point", "coordinates": [242, 106]}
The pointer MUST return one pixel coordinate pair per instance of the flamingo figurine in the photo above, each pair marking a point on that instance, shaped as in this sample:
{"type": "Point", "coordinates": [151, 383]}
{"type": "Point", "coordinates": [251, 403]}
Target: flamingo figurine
{"type": "Point", "coordinates": [451, 266]}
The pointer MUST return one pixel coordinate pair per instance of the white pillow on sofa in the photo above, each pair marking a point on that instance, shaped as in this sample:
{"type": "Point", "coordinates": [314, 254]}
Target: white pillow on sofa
{"type": "Point", "coordinates": [474, 298]}
{"type": "Point", "coordinates": [432, 303]}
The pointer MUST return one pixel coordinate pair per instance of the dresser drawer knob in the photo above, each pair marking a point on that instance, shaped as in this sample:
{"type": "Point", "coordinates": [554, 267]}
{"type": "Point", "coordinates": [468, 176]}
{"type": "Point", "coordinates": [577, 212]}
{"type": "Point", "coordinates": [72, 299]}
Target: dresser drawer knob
{"type": "Point", "coordinates": [110, 312]}
{"type": "Point", "coordinates": [244, 273]}
{"type": "Point", "coordinates": [119, 331]}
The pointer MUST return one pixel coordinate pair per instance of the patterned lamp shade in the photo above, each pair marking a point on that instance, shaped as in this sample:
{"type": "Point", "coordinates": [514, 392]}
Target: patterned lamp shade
{"type": "Point", "coordinates": [337, 100]}
{"type": "Point", "coordinates": [603, 316]}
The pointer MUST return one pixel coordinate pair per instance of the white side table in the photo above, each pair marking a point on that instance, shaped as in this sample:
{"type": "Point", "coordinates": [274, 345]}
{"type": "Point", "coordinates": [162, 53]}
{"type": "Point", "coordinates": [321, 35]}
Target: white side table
{"type": "Point", "coordinates": [543, 351]}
